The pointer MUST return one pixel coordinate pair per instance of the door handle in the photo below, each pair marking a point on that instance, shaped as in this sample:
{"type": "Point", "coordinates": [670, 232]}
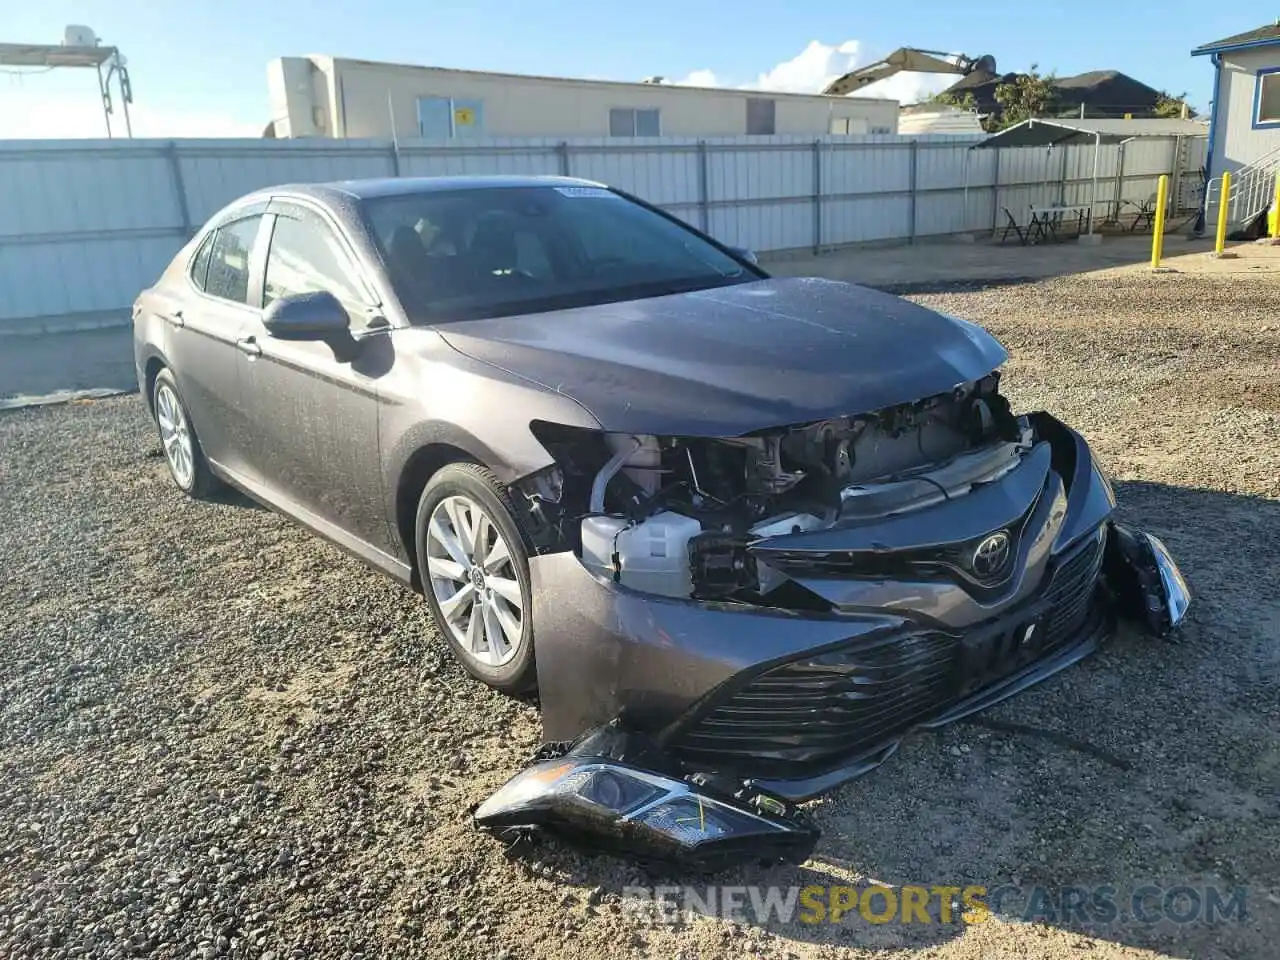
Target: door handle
{"type": "Point", "coordinates": [249, 347]}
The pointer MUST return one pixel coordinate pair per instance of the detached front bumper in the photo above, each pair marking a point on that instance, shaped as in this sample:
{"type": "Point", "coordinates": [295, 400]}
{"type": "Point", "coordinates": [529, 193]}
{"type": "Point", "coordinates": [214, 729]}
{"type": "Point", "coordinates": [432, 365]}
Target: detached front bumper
{"type": "Point", "coordinates": [800, 701]}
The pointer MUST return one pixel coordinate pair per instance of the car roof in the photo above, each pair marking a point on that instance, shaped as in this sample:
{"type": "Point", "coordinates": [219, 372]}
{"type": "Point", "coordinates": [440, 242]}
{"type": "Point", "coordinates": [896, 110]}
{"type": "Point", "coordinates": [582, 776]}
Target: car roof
{"type": "Point", "coordinates": [397, 186]}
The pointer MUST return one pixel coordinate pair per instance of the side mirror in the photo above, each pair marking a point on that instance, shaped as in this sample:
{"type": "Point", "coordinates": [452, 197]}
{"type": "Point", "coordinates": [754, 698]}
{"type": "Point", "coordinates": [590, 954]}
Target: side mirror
{"type": "Point", "coordinates": [745, 254]}
{"type": "Point", "coordinates": [307, 316]}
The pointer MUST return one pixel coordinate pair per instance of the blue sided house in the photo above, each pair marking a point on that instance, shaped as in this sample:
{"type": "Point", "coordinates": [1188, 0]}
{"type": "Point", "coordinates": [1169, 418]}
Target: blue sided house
{"type": "Point", "coordinates": [1244, 129]}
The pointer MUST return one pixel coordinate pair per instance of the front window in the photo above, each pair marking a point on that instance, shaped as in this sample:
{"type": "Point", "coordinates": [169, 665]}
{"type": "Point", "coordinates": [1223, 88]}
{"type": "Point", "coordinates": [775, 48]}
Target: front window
{"type": "Point", "coordinates": [463, 254]}
{"type": "Point", "coordinates": [305, 257]}
{"type": "Point", "coordinates": [1268, 97]}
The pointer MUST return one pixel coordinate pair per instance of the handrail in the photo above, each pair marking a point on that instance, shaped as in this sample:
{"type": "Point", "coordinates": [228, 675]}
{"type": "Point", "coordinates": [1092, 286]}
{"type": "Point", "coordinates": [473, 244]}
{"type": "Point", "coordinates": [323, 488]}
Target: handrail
{"type": "Point", "coordinates": [1252, 188]}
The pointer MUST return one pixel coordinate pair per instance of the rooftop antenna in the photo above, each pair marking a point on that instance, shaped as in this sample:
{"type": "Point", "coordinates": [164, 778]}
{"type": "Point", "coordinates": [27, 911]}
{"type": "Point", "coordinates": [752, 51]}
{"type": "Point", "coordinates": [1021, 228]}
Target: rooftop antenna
{"type": "Point", "coordinates": [395, 139]}
{"type": "Point", "coordinates": [81, 48]}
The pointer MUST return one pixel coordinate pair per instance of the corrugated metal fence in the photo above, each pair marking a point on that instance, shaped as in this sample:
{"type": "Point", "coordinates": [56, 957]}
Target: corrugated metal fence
{"type": "Point", "coordinates": [84, 225]}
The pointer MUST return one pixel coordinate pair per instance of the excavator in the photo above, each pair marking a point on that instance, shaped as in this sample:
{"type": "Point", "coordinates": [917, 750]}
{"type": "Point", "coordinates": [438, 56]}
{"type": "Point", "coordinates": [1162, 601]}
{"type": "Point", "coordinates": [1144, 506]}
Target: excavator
{"type": "Point", "coordinates": [909, 59]}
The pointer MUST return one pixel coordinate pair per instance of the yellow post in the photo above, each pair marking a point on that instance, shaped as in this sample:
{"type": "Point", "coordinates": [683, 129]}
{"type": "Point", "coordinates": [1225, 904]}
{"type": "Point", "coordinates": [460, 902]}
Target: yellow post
{"type": "Point", "coordinates": [1220, 240]}
{"type": "Point", "coordinates": [1157, 236]}
{"type": "Point", "coordinates": [1275, 212]}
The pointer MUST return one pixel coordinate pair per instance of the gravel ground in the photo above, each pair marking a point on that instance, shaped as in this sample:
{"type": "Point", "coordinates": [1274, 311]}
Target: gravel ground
{"type": "Point", "coordinates": [221, 737]}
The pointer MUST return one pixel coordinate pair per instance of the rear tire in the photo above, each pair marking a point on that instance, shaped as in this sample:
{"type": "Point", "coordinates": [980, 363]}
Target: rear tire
{"type": "Point", "coordinates": [473, 558]}
{"type": "Point", "coordinates": [178, 440]}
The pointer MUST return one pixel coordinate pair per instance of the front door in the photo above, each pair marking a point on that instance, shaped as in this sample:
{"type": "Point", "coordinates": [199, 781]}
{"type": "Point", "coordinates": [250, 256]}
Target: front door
{"type": "Point", "coordinates": [316, 411]}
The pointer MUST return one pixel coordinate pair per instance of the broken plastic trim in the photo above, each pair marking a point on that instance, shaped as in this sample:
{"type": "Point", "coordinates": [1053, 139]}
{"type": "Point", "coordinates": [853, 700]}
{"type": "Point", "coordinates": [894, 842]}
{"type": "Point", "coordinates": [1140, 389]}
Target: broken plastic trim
{"type": "Point", "coordinates": [1148, 585]}
{"type": "Point", "coordinates": [598, 795]}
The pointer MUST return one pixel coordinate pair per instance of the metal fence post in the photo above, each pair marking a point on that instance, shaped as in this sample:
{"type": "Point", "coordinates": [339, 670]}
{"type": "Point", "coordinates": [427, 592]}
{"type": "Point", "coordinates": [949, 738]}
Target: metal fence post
{"type": "Point", "coordinates": [817, 196]}
{"type": "Point", "coordinates": [704, 191]}
{"type": "Point", "coordinates": [995, 194]}
{"type": "Point", "coordinates": [1175, 180]}
{"type": "Point", "coordinates": [1062, 183]}
{"type": "Point", "coordinates": [395, 157]}
{"type": "Point", "coordinates": [915, 164]}
{"type": "Point", "coordinates": [179, 188]}
{"type": "Point", "coordinates": [562, 150]}
{"type": "Point", "coordinates": [1118, 197]}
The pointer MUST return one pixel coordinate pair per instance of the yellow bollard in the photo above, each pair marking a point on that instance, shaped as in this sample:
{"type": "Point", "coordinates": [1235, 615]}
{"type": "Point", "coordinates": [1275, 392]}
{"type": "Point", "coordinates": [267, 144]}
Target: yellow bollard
{"type": "Point", "coordinates": [1157, 236]}
{"type": "Point", "coordinates": [1220, 240]}
{"type": "Point", "coordinates": [1274, 219]}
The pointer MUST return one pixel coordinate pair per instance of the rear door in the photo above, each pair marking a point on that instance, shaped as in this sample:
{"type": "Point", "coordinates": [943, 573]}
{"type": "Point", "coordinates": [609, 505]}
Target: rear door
{"type": "Point", "coordinates": [203, 333]}
{"type": "Point", "coordinates": [316, 413]}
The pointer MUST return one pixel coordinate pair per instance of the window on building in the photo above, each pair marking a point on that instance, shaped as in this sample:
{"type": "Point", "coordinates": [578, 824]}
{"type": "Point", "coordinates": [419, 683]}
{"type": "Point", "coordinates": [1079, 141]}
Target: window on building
{"type": "Point", "coordinates": [306, 257]}
{"type": "Point", "coordinates": [633, 122]}
{"type": "Point", "coordinates": [446, 118]}
{"type": "Point", "coordinates": [1268, 97]}
{"type": "Point", "coordinates": [228, 275]}
{"type": "Point", "coordinates": [761, 117]}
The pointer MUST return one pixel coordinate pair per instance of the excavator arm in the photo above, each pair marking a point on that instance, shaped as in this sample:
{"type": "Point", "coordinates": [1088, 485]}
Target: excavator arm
{"type": "Point", "coordinates": [910, 60]}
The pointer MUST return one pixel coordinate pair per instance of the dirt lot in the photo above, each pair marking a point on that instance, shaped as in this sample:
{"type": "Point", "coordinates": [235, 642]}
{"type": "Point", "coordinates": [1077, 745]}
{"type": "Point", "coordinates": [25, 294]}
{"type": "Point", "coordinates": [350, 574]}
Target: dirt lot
{"type": "Point", "coordinates": [219, 736]}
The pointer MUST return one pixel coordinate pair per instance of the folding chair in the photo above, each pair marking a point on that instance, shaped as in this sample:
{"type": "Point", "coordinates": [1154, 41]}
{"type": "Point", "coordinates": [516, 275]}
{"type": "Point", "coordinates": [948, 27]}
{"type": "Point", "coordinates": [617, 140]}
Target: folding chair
{"type": "Point", "coordinates": [1011, 223]}
{"type": "Point", "coordinates": [1146, 213]}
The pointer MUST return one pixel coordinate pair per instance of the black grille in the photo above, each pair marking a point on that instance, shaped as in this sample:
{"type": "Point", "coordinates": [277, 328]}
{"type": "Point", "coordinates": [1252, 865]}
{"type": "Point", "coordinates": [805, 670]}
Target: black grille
{"type": "Point", "coordinates": [1070, 591]}
{"type": "Point", "coordinates": [855, 697]}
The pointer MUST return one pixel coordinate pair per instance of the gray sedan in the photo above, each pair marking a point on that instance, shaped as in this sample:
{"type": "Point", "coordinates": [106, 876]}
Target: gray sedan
{"type": "Point", "coordinates": [769, 524]}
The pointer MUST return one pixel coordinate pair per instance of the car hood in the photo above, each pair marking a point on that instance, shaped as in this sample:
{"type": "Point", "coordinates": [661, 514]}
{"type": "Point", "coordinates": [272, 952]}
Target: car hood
{"type": "Point", "coordinates": [736, 359]}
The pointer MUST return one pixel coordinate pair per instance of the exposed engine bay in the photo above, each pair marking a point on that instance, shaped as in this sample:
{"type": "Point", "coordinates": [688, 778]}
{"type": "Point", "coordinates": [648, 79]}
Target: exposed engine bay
{"type": "Point", "coordinates": [674, 515]}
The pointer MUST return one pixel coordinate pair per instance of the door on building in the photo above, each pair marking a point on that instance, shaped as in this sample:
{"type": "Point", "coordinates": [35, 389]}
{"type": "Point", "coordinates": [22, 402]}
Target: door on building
{"type": "Point", "coordinates": [761, 117]}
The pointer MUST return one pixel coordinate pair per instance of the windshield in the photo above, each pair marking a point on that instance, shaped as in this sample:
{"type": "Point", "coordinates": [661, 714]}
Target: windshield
{"type": "Point", "coordinates": [498, 251]}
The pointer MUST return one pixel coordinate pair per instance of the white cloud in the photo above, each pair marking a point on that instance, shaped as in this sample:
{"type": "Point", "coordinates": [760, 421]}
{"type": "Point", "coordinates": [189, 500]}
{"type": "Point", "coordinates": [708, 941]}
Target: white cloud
{"type": "Point", "coordinates": [820, 63]}
{"type": "Point", "coordinates": [699, 78]}
{"type": "Point", "coordinates": [32, 114]}
{"type": "Point", "coordinates": [811, 70]}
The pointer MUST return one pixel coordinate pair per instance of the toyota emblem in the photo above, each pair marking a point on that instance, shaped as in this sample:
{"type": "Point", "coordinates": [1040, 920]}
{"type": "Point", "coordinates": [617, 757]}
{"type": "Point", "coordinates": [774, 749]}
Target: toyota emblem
{"type": "Point", "coordinates": [990, 557]}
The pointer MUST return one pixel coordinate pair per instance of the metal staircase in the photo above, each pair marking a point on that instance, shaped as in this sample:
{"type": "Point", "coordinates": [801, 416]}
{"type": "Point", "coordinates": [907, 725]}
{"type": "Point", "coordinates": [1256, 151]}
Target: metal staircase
{"type": "Point", "coordinates": [1252, 189]}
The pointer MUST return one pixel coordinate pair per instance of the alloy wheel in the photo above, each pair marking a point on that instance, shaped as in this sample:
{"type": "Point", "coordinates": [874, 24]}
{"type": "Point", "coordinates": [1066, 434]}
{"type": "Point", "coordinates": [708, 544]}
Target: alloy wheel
{"type": "Point", "coordinates": [175, 435]}
{"type": "Point", "coordinates": [473, 579]}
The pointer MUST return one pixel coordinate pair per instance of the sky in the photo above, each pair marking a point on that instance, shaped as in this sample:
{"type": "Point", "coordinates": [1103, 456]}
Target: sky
{"type": "Point", "coordinates": [199, 67]}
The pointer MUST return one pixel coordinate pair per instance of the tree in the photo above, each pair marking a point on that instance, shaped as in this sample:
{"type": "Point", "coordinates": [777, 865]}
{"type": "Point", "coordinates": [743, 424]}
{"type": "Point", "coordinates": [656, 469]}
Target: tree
{"type": "Point", "coordinates": [1171, 106]}
{"type": "Point", "coordinates": [1028, 95]}
{"type": "Point", "coordinates": [962, 101]}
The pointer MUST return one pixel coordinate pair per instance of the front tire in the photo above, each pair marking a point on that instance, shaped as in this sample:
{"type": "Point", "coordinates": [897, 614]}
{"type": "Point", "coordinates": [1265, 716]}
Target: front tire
{"type": "Point", "coordinates": [178, 440]}
{"type": "Point", "coordinates": [473, 558]}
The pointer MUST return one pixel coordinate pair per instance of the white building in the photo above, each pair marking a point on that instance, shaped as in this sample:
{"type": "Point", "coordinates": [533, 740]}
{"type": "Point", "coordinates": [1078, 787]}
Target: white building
{"type": "Point", "coordinates": [1244, 128]}
{"type": "Point", "coordinates": [926, 118]}
{"type": "Point", "coordinates": [1246, 97]}
{"type": "Point", "coordinates": [331, 97]}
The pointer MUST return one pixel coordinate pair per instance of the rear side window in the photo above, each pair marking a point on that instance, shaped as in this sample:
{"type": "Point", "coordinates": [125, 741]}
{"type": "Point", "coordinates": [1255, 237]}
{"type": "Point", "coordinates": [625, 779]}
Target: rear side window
{"type": "Point", "coordinates": [306, 257]}
{"type": "Point", "coordinates": [228, 272]}
{"type": "Point", "coordinates": [200, 262]}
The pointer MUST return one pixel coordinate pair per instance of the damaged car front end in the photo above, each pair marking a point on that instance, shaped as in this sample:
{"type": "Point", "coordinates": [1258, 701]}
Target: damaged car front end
{"type": "Point", "coordinates": [774, 610]}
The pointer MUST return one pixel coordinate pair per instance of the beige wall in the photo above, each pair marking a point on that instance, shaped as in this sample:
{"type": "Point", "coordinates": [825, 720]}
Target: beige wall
{"type": "Point", "coordinates": [365, 95]}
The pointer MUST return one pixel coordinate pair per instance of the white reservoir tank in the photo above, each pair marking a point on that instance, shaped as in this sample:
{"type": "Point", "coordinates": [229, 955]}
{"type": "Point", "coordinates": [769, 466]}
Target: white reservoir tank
{"type": "Point", "coordinates": [652, 556]}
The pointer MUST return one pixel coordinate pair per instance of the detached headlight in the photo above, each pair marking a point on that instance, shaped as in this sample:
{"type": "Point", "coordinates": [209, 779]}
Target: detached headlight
{"type": "Point", "coordinates": [1146, 580]}
{"type": "Point", "coordinates": [608, 804]}
{"type": "Point", "coordinates": [1176, 594]}
{"type": "Point", "coordinates": [590, 786]}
